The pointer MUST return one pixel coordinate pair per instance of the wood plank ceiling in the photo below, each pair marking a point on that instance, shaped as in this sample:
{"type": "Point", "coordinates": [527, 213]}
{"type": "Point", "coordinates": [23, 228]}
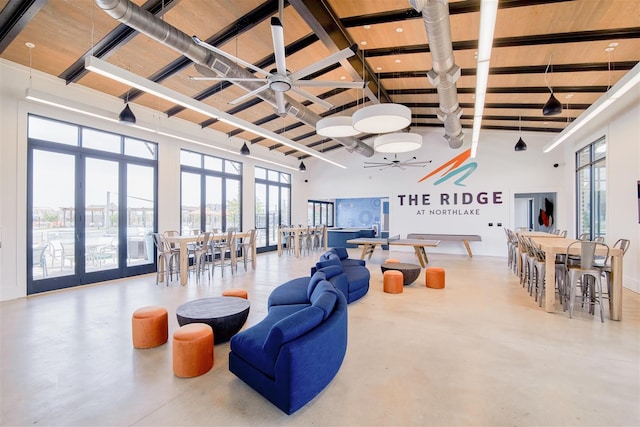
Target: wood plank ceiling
{"type": "Point", "coordinates": [571, 35]}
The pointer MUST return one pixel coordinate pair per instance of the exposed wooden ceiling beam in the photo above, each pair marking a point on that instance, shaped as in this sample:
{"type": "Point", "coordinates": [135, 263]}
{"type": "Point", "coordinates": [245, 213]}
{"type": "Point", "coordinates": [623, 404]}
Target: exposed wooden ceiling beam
{"type": "Point", "coordinates": [236, 28]}
{"type": "Point", "coordinates": [454, 9]}
{"type": "Point", "coordinates": [326, 25]}
{"type": "Point", "coordinates": [117, 38]}
{"type": "Point", "coordinates": [14, 17]}
{"type": "Point", "coordinates": [539, 39]}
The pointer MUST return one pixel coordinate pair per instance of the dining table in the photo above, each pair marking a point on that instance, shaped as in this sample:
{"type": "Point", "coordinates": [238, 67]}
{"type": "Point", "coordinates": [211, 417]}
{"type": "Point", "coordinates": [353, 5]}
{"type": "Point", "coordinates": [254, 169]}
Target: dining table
{"type": "Point", "coordinates": [552, 246]}
{"type": "Point", "coordinates": [521, 248]}
{"type": "Point", "coordinates": [183, 242]}
{"type": "Point", "coordinates": [297, 232]}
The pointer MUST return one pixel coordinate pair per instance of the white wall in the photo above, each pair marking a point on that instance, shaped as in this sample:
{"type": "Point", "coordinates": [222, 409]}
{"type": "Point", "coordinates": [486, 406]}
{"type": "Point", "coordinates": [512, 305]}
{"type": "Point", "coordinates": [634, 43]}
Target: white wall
{"type": "Point", "coordinates": [14, 80]}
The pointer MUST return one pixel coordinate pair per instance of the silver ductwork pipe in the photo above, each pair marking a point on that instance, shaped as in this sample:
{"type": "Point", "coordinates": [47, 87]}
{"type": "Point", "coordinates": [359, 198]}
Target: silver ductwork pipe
{"type": "Point", "coordinates": [444, 73]}
{"type": "Point", "coordinates": [150, 25]}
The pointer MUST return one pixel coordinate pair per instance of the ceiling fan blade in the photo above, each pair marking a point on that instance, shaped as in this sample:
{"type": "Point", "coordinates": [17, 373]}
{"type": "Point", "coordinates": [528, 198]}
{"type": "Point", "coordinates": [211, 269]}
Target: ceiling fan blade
{"type": "Point", "coordinates": [312, 98]}
{"type": "Point", "coordinates": [281, 104]}
{"type": "Point", "coordinates": [325, 83]}
{"type": "Point", "coordinates": [277, 34]}
{"type": "Point", "coordinates": [227, 79]}
{"type": "Point", "coordinates": [376, 166]}
{"type": "Point", "coordinates": [324, 63]}
{"type": "Point", "coordinates": [249, 95]}
{"type": "Point", "coordinates": [226, 55]}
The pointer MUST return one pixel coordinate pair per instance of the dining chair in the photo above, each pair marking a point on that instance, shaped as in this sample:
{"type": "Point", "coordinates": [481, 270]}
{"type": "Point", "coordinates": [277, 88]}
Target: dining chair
{"type": "Point", "coordinates": [605, 269]}
{"type": "Point", "coordinates": [246, 248]}
{"type": "Point", "coordinates": [224, 247]}
{"type": "Point", "coordinates": [165, 257]}
{"type": "Point", "coordinates": [199, 251]}
{"type": "Point", "coordinates": [588, 275]}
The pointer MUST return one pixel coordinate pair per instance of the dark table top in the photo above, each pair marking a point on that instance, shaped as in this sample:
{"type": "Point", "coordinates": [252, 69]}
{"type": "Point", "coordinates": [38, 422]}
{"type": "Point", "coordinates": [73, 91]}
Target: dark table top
{"type": "Point", "coordinates": [212, 307]}
{"type": "Point", "coordinates": [400, 266]}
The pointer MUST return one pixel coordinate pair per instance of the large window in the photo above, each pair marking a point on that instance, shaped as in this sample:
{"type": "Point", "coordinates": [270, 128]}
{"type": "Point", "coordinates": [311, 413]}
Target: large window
{"type": "Point", "coordinates": [211, 193]}
{"type": "Point", "coordinates": [272, 205]}
{"type": "Point", "coordinates": [319, 213]}
{"type": "Point", "coordinates": [91, 205]}
{"type": "Point", "coordinates": [591, 188]}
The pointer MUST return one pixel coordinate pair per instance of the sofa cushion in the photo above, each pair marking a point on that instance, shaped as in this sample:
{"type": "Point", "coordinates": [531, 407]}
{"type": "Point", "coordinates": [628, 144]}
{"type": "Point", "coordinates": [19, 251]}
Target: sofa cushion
{"type": "Point", "coordinates": [322, 287]}
{"type": "Point", "coordinates": [331, 271]}
{"type": "Point", "coordinates": [326, 301]}
{"type": "Point", "coordinates": [341, 252]}
{"type": "Point", "coordinates": [350, 262]}
{"type": "Point", "coordinates": [317, 277]}
{"type": "Point", "coordinates": [332, 260]}
{"type": "Point", "coordinates": [290, 328]}
{"type": "Point", "coordinates": [292, 292]}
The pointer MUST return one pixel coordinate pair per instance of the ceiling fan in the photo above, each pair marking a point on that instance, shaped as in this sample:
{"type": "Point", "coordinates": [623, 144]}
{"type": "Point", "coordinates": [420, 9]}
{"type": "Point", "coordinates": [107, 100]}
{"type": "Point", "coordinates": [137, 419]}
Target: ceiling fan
{"type": "Point", "coordinates": [281, 80]}
{"type": "Point", "coordinates": [395, 163]}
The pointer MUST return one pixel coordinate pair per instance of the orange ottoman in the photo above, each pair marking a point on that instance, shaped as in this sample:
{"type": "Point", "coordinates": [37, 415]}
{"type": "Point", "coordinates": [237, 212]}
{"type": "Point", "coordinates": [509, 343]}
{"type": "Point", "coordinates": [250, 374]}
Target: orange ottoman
{"type": "Point", "coordinates": [434, 277]}
{"type": "Point", "coordinates": [192, 350]}
{"type": "Point", "coordinates": [391, 261]}
{"type": "Point", "coordinates": [235, 292]}
{"type": "Point", "coordinates": [149, 327]}
{"type": "Point", "coordinates": [393, 282]}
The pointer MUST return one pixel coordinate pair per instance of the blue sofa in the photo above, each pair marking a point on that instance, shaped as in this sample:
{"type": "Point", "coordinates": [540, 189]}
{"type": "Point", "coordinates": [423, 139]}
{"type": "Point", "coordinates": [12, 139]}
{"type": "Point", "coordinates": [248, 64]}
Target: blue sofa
{"type": "Point", "coordinates": [351, 276]}
{"type": "Point", "coordinates": [296, 350]}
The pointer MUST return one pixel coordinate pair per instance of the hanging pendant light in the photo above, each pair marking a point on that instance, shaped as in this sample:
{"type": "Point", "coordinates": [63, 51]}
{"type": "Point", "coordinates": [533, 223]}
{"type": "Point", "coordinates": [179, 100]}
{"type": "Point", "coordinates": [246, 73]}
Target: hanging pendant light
{"type": "Point", "coordinates": [552, 106]}
{"type": "Point", "coordinates": [382, 118]}
{"type": "Point", "coordinates": [245, 150]}
{"type": "Point", "coordinates": [126, 116]}
{"type": "Point", "coordinates": [520, 145]}
{"type": "Point", "coordinates": [400, 142]}
{"type": "Point", "coordinates": [336, 127]}
{"type": "Point", "coordinates": [302, 167]}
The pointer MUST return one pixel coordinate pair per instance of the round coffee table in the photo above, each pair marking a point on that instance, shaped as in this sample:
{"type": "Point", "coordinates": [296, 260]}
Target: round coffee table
{"type": "Point", "coordinates": [225, 315]}
{"type": "Point", "coordinates": [410, 272]}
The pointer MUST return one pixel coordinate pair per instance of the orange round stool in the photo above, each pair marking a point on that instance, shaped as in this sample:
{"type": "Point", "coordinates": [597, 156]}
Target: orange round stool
{"type": "Point", "coordinates": [434, 277]}
{"type": "Point", "coordinates": [393, 282]}
{"type": "Point", "coordinates": [149, 327]}
{"type": "Point", "coordinates": [192, 350]}
{"type": "Point", "coordinates": [235, 292]}
{"type": "Point", "coordinates": [391, 261]}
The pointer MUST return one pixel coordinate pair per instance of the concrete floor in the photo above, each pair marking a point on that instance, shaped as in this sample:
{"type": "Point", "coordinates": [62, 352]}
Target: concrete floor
{"type": "Point", "coordinates": [479, 352]}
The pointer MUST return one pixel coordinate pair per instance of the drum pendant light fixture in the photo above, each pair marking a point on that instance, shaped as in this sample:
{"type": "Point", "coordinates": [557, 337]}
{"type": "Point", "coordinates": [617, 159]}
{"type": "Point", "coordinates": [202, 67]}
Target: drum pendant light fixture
{"type": "Point", "coordinates": [382, 118]}
{"type": "Point", "coordinates": [336, 127]}
{"type": "Point", "coordinates": [400, 142]}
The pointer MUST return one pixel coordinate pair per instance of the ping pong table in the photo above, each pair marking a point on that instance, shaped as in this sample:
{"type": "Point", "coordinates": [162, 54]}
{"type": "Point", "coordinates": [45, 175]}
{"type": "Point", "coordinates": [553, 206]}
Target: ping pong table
{"type": "Point", "coordinates": [419, 245]}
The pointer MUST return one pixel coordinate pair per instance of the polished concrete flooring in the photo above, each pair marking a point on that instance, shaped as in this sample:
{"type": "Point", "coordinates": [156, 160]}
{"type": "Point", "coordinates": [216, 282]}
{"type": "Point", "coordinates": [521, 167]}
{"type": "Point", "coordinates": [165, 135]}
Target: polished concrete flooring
{"type": "Point", "coordinates": [478, 353]}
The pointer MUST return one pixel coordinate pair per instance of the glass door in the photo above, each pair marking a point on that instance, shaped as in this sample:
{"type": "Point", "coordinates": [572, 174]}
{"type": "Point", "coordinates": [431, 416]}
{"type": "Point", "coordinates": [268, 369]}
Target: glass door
{"type": "Point", "coordinates": [53, 232]}
{"type": "Point", "coordinates": [101, 215]}
{"type": "Point", "coordinates": [90, 205]}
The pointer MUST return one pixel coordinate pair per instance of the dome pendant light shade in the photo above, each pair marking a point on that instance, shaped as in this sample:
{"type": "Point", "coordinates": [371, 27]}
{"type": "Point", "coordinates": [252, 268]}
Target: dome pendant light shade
{"type": "Point", "coordinates": [552, 107]}
{"type": "Point", "coordinates": [397, 142]}
{"type": "Point", "coordinates": [382, 118]}
{"type": "Point", "coordinates": [245, 150]}
{"type": "Point", "coordinates": [336, 127]}
{"type": "Point", "coordinates": [520, 145]}
{"type": "Point", "coordinates": [126, 116]}
{"type": "Point", "coordinates": [302, 167]}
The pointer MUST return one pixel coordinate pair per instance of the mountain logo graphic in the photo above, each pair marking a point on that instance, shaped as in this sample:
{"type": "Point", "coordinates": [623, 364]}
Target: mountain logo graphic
{"type": "Point", "coordinates": [454, 168]}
